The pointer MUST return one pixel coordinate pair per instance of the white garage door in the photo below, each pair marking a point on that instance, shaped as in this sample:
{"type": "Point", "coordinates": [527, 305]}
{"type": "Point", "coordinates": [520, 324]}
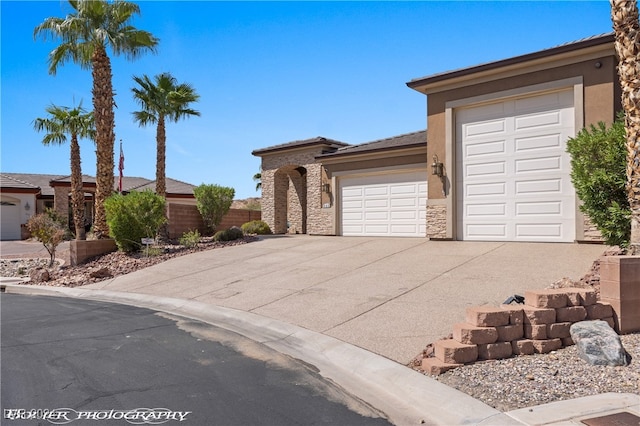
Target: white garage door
{"type": "Point", "coordinates": [513, 171]}
{"type": "Point", "coordinates": [9, 221]}
{"type": "Point", "coordinates": [384, 205]}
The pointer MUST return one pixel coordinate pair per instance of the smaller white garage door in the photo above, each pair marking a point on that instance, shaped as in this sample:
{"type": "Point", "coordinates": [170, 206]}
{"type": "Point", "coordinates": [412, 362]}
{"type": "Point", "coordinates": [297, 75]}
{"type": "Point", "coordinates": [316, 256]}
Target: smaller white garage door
{"type": "Point", "coordinates": [10, 221]}
{"type": "Point", "coordinates": [384, 205]}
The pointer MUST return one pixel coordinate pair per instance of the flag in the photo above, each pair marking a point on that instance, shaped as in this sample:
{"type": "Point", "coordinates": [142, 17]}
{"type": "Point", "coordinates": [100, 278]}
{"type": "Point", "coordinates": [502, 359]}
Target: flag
{"type": "Point", "coordinates": [120, 168]}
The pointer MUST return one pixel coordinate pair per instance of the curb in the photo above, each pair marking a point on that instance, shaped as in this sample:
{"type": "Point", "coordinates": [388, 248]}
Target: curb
{"type": "Point", "coordinates": [403, 395]}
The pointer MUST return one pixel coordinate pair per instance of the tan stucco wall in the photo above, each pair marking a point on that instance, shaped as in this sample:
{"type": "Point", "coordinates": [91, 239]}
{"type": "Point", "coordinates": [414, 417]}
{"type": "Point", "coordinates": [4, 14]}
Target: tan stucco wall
{"type": "Point", "coordinates": [601, 94]}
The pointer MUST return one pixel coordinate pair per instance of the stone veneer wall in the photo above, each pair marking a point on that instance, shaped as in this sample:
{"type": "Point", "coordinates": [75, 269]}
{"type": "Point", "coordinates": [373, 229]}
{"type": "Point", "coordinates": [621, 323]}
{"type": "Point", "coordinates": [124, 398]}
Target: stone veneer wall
{"type": "Point", "coordinates": [280, 178]}
{"type": "Point", "coordinates": [436, 221]}
{"type": "Point", "coordinates": [540, 326]}
{"type": "Point", "coordinates": [591, 233]}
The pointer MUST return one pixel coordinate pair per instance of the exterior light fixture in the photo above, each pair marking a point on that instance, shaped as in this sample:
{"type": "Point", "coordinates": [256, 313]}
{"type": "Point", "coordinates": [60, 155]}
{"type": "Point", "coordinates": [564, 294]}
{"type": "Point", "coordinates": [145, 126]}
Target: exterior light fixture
{"type": "Point", "coordinates": [27, 207]}
{"type": "Point", "coordinates": [437, 168]}
{"type": "Point", "coordinates": [326, 188]}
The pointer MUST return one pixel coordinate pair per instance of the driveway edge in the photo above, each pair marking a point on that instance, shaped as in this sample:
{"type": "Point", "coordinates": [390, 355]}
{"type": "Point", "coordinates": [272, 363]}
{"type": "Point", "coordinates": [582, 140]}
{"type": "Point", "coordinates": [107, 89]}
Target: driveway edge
{"type": "Point", "coordinates": [405, 396]}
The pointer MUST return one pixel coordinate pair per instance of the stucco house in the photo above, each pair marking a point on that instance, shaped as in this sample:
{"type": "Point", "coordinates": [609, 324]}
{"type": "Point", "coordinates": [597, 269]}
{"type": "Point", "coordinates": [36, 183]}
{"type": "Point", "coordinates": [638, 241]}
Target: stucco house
{"type": "Point", "coordinates": [24, 194]}
{"type": "Point", "coordinates": [491, 166]}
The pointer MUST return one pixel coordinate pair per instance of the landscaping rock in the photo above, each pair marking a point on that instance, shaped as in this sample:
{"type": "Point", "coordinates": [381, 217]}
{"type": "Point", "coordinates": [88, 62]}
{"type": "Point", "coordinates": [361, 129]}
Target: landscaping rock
{"type": "Point", "coordinates": [103, 272]}
{"type": "Point", "coordinates": [39, 275]}
{"type": "Point", "coordinates": [598, 343]}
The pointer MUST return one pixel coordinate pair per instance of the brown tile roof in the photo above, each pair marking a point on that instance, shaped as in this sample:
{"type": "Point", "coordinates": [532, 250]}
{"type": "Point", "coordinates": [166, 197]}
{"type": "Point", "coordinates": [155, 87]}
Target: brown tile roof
{"type": "Point", "coordinates": [319, 140]}
{"type": "Point", "coordinates": [29, 180]}
{"type": "Point", "coordinates": [563, 48]}
{"type": "Point", "coordinates": [406, 140]}
{"type": "Point", "coordinates": [129, 183]}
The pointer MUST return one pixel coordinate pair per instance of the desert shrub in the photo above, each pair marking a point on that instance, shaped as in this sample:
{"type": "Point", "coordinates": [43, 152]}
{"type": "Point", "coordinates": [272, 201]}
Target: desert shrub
{"type": "Point", "coordinates": [190, 239]}
{"type": "Point", "coordinates": [230, 234]}
{"type": "Point", "coordinates": [213, 202]}
{"type": "Point", "coordinates": [598, 173]}
{"type": "Point", "coordinates": [259, 227]}
{"type": "Point", "coordinates": [134, 216]}
{"type": "Point", "coordinates": [48, 231]}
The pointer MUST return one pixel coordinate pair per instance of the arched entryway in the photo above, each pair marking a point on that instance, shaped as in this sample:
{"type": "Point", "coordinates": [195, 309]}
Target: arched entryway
{"type": "Point", "coordinates": [290, 195]}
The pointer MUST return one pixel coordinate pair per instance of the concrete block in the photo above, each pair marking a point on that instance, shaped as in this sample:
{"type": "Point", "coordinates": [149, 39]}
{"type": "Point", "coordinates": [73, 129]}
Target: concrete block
{"type": "Point", "coordinates": [546, 298]}
{"type": "Point", "coordinates": [471, 335]}
{"type": "Point", "coordinates": [599, 310]}
{"type": "Point", "coordinates": [558, 329]}
{"type": "Point", "coordinates": [435, 367]}
{"type": "Point", "coordinates": [546, 346]}
{"type": "Point", "coordinates": [571, 314]}
{"type": "Point", "coordinates": [567, 341]}
{"type": "Point", "coordinates": [516, 316]}
{"type": "Point", "coordinates": [535, 332]}
{"type": "Point", "coordinates": [486, 316]}
{"type": "Point", "coordinates": [522, 347]}
{"type": "Point", "coordinates": [498, 350]}
{"type": "Point", "coordinates": [629, 321]}
{"type": "Point", "coordinates": [507, 333]}
{"type": "Point", "coordinates": [451, 351]}
{"type": "Point", "coordinates": [580, 296]}
{"type": "Point", "coordinates": [537, 316]}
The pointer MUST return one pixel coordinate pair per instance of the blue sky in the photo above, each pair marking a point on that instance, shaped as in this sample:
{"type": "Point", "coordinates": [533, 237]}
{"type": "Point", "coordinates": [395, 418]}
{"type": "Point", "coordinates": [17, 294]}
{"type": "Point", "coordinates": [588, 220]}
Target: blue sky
{"type": "Point", "coordinates": [269, 73]}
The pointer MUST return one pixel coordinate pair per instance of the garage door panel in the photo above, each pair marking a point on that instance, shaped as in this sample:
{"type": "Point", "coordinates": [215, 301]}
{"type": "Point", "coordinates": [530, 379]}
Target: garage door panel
{"type": "Point", "coordinates": [538, 142]}
{"type": "Point", "coordinates": [485, 129]}
{"type": "Point", "coordinates": [538, 164]}
{"type": "Point", "coordinates": [539, 208]}
{"type": "Point", "coordinates": [518, 186]}
{"type": "Point", "coordinates": [485, 148]}
{"type": "Point", "coordinates": [538, 186]}
{"type": "Point", "coordinates": [390, 204]}
{"type": "Point", "coordinates": [486, 210]}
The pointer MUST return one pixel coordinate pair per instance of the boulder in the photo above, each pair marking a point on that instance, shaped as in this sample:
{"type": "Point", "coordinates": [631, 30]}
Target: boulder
{"type": "Point", "coordinates": [39, 275]}
{"type": "Point", "coordinates": [103, 272]}
{"type": "Point", "coordinates": [598, 343]}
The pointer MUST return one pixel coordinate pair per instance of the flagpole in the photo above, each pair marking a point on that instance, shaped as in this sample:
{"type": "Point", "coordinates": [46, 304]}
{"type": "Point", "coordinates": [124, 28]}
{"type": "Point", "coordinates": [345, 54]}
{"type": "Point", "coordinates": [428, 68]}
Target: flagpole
{"type": "Point", "coordinates": [120, 168]}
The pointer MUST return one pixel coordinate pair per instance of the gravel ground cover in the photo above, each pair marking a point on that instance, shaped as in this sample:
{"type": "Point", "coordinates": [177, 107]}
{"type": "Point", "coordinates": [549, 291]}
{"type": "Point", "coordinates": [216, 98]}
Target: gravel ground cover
{"type": "Point", "coordinates": [529, 380]}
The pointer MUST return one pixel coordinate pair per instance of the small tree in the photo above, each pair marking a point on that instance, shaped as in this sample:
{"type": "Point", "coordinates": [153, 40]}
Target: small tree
{"type": "Point", "coordinates": [598, 173]}
{"type": "Point", "coordinates": [50, 232]}
{"type": "Point", "coordinates": [213, 202]}
{"type": "Point", "coordinates": [134, 216]}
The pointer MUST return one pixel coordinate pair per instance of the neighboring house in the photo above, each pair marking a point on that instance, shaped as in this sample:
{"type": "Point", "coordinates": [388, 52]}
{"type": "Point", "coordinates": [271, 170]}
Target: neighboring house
{"type": "Point", "coordinates": [495, 167]}
{"type": "Point", "coordinates": [24, 194]}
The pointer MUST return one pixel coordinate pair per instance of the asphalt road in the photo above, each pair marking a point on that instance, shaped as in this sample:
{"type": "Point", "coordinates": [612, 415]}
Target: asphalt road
{"type": "Point", "coordinates": [108, 364]}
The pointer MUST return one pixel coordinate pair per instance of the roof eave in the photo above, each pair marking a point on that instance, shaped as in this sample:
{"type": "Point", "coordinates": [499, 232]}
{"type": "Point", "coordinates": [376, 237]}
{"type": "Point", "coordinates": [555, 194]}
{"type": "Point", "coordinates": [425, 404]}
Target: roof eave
{"type": "Point", "coordinates": [392, 151]}
{"type": "Point", "coordinates": [522, 64]}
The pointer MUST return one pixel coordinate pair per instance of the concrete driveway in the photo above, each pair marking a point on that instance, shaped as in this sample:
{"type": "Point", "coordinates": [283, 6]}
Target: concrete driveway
{"type": "Point", "coordinates": [391, 296]}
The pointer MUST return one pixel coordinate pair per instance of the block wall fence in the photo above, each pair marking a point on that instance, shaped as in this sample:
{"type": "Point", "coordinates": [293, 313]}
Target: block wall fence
{"type": "Point", "coordinates": [185, 217]}
{"type": "Point", "coordinates": [541, 325]}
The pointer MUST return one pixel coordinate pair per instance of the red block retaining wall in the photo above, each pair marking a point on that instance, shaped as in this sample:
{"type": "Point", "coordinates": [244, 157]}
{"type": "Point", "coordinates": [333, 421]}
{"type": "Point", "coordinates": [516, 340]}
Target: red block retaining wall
{"type": "Point", "coordinates": [185, 217]}
{"type": "Point", "coordinates": [541, 325]}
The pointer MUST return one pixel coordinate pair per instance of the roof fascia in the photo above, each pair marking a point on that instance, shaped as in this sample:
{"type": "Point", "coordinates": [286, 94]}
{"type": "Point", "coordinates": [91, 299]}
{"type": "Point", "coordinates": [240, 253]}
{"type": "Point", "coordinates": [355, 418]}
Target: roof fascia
{"type": "Point", "coordinates": [513, 67]}
{"type": "Point", "coordinates": [294, 148]}
{"type": "Point", "coordinates": [380, 153]}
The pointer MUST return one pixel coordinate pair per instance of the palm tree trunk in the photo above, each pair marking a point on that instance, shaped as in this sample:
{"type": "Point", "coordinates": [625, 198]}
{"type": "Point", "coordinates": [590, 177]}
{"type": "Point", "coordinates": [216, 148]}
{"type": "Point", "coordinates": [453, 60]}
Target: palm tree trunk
{"type": "Point", "coordinates": [624, 14]}
{"type": "Point", "coordinates": [77, 194]}
{"type": "Point", "coordinates": [104, 118]}
{"type": "Point", "coordinates": [161, 158]}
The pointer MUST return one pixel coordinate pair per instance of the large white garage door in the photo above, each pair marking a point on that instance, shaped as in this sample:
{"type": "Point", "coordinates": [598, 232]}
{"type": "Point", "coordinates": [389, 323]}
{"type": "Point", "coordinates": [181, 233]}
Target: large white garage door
{"type": "Point", "coordinates": [384, 205]}
{"type": "Point", "coordinates": [9, 221]}
{"type": "Point", "coordinates": [513, 171]}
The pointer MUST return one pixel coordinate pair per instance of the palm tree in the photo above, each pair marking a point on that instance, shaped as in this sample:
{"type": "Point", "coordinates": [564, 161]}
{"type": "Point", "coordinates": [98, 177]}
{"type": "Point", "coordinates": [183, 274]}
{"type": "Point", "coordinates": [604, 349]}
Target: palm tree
{"type": "Point", "coordinates": [624, 14]}
{"type": "Point", "coordinates": [78, 123]}
{"type": "Point", "coordinates": [85, 35]}
{"type": "Point", "coordinates": [161, 100]}
{"type": "Point", "coordinates": [258, 178]}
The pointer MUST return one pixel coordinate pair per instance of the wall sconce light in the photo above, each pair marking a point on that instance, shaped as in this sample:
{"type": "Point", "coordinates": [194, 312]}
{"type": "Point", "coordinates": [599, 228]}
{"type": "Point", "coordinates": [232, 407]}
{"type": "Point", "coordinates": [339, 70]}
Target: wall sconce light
{"type": "Point", "coordinates": [437, 168]}
{"type": "Point", "coordinates": [27, 207]}
{"type": "Point", "coordinates": [326, 188]}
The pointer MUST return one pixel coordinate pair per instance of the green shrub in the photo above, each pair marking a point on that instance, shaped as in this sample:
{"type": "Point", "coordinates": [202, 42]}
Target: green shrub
{"type": "Point", "coordinates": [213, 202]}
{"type": "Point", "coordinates": [134, 216]}
{"type": "Point", "coordinates": [256, 227]}
{"type": "Point", "coordinates": [190, 239]}
{"type": "Point", "coordinates": [598, 173]}
{"type": "Point", "coordinates": [230, 234]}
